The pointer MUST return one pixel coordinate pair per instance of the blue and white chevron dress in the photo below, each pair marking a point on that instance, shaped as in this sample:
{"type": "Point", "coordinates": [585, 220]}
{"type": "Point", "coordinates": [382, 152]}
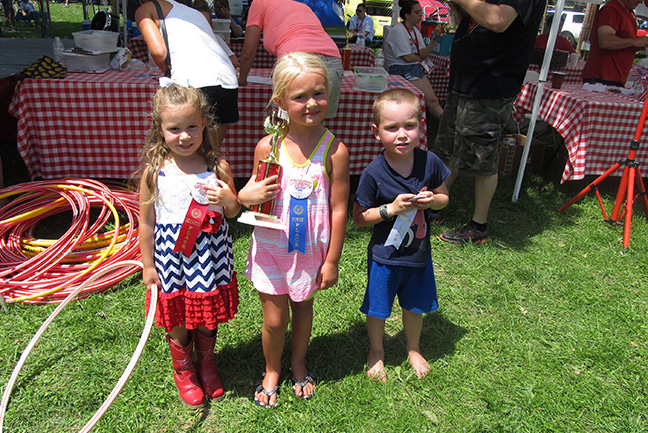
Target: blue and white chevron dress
{"type": "Point", "coordinates": [199, 290]}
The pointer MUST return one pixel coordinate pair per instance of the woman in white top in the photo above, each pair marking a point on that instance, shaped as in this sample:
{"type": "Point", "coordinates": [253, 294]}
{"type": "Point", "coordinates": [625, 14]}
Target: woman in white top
{"type": "Point", "coordinates": [404, 50]}
{"type": "Point", "coordinates": [198, 56]}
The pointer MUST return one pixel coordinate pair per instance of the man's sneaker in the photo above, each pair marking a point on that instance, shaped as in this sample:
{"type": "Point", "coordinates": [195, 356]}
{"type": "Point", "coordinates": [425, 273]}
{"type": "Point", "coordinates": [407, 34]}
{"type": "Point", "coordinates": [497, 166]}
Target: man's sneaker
{"type": "Point", "coordinates": [465, 234]}
{"type": "Point", "coordinates": [437, 216]}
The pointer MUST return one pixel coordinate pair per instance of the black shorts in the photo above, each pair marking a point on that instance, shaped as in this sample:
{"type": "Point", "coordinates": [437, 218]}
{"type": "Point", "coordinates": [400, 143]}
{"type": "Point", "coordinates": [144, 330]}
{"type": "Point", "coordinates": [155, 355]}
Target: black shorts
{"type": "Point", "coordinates": [223, 103]}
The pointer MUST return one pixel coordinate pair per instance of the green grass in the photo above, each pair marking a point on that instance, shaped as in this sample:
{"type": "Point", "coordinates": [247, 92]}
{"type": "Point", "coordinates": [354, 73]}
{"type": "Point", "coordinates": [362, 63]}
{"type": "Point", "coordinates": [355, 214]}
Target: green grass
{"type": "Point", "coordinates": [65, 21]}
{"type": "Point", "coordinates": [542, 329]}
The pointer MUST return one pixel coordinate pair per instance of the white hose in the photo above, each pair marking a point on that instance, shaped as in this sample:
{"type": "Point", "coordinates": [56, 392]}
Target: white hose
{"type": "Point", "coordinates": [127, 372]}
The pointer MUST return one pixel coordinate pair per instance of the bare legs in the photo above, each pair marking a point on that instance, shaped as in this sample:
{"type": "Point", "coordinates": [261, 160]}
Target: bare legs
{"type": "Point", "coordinates": [376, 357]}
{"type": "Point", "coordinates": [180, 334]}
{"type": "Point", "coordinates": [276, 312]}
{"type": "Point", "coordinates": [431, 101]}
{"type": "Point", "coordinates": [302, 323]}
{"type": "Point", "coordinates": [485, 187]}
{"type": "Point", "coordinates": [412, 325]}
{"type": "Point", "coordinates": [221, 130]}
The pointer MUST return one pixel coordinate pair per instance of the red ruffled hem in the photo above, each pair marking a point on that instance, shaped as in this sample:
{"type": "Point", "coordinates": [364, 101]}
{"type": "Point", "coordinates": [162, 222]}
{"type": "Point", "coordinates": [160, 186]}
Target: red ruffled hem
{"type": "Point", "coordinates": [194, 310]}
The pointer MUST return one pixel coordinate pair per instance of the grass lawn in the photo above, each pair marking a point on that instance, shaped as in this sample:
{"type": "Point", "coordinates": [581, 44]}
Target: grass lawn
{"type": "Point", "coordinates": [65, 21]}
{"type": "Point", "coordinates": [542, 329]}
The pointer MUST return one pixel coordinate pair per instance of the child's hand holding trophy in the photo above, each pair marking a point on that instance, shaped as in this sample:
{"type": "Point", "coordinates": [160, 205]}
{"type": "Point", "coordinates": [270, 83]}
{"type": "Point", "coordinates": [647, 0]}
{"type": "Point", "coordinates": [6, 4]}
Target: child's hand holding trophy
{"type": "Point", "coordinates": [261, 214]}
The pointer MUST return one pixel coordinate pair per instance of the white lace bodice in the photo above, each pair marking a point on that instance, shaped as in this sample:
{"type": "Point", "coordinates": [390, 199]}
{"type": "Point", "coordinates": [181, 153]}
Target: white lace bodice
{"type": "Point", "coordinates": [174, 195]}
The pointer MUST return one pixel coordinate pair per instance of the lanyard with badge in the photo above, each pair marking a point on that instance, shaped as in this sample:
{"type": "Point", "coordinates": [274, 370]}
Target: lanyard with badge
{"type": "Point", "coordinates": [413, 40]}
{"type": "Point", "coordinates": [359, 24]}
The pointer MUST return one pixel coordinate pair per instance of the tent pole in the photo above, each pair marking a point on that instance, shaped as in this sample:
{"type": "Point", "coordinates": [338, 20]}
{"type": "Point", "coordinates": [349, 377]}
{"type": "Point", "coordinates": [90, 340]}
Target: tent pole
{"type": "Point", "coordinates": [544, 70]}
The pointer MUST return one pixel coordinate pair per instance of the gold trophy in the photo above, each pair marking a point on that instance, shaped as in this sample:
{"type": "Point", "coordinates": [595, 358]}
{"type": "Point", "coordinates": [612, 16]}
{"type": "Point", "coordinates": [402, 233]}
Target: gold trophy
{"type": "Point", "coordinates": [261, 214]}
{"type": "Point", "coordinates": [452, 24]}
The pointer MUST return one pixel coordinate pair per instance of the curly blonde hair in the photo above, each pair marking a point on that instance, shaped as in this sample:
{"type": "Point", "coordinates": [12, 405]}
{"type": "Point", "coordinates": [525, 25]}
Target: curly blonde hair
{"type": "Point", "coordinates": [156, 151]}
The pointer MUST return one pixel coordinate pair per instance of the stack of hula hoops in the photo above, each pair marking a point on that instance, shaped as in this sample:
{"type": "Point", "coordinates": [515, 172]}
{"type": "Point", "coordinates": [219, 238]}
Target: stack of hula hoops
{"type": "Point", "coordinates": [43, 271]}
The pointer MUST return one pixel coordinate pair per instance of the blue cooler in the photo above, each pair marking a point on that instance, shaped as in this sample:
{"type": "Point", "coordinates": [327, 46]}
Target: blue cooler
{"type": "Point", "coordinates": [443, 45]}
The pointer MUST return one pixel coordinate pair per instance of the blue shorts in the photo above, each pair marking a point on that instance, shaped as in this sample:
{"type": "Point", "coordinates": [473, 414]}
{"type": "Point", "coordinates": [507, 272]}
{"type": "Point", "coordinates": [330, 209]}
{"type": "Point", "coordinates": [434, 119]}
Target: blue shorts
{"type": "Point", "coordinates": [415, 287]}
{"type": "Point", "coordinates": [409, 72]}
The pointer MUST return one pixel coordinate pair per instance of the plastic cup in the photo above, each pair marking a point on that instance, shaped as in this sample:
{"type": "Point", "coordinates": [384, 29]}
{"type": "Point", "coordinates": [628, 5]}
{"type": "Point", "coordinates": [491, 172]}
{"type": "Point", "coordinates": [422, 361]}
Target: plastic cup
{"type": "Point", "coordinates": [573, 59]}
{"type": "Point", "coordinates": [557, 79]}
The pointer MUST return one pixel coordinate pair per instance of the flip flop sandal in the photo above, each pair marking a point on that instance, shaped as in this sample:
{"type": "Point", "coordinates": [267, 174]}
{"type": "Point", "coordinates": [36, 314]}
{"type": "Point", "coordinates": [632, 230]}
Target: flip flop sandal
{"type": "Point", "coordinates": [310, 378]}
{"type": "Point", "coordinates": [259, 388]}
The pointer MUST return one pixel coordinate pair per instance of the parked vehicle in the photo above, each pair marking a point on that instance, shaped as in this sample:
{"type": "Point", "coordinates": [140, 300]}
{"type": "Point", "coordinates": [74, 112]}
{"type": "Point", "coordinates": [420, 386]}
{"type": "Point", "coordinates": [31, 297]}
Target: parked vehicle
{"type": "Point", "coordinates": [572, 26]}
{"type": "Point", "coordinates": [574, 20]}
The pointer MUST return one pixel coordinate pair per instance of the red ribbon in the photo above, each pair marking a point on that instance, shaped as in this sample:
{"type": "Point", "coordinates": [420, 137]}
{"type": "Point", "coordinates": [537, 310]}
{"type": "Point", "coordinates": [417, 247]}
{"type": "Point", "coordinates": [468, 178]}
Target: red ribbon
{"type": "Point", "coordinates": [189, 230]}
{"type": "Point", "coordinates": [212, 222]}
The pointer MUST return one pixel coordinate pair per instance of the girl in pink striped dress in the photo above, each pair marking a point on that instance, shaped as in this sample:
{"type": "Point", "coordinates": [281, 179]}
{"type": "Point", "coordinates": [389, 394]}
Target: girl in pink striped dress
{"type": "Point", "coordinates": [288, 265]}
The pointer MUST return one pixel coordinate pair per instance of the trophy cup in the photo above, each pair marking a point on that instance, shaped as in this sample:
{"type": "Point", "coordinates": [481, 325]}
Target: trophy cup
{"type": "Point", "coordinates": [261, 214]}
{"type": "Point", "coordinates": [346, 52]}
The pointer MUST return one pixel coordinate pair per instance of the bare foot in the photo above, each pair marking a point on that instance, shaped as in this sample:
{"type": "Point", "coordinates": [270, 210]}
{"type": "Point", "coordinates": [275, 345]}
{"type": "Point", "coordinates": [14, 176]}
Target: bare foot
{"type": "Point", "coordinates": [376, 368]}
{"type": "Point", "coordinates": [420, 365]}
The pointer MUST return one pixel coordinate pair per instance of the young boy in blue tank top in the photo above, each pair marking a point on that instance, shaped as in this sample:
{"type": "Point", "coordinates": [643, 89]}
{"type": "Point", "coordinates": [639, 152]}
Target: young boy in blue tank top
{"type": "Point", "coordinates": [395, 195]}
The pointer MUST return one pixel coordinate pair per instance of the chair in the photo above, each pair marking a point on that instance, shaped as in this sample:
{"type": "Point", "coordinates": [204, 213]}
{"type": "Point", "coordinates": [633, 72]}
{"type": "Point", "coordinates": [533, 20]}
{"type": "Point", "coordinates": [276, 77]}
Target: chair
{"type": "Point", "coordinates": [531, 76]}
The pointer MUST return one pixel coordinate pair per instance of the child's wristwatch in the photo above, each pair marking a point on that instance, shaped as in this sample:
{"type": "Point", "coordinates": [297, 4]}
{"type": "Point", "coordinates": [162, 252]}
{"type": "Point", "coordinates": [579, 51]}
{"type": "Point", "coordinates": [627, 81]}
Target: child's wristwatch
{"type": "Point", "coordinates": [383, 213]}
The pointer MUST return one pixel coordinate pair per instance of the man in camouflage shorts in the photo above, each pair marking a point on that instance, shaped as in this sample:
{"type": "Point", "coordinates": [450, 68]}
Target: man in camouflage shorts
{"type": "Point", "coordinates": [490, 55]}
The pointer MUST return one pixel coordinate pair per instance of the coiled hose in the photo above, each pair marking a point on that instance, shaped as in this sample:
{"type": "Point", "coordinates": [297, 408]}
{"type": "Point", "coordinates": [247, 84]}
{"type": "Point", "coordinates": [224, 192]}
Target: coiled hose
{"type": "Point", "coordinates": [43, 271]}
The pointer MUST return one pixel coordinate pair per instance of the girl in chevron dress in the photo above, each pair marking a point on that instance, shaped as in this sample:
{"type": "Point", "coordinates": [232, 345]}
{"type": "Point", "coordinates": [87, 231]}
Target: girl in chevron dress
{"type": "Point", "coordinates": [287, 266]}
{"type": "Point", "coordinates": [186, 191]}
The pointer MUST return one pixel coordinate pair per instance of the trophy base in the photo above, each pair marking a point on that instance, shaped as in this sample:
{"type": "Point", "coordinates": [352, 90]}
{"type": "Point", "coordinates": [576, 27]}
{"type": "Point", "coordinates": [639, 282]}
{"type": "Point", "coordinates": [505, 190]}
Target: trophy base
{"type": "Point", "coordinates": [260, 220]}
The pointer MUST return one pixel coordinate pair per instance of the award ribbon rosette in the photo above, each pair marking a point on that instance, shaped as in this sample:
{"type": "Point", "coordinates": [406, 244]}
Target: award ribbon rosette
{"type": "Point", "coordinates": [299, 190]}
{"type": "Point", "coordinates": [261, 214]}
{"type": "Point", "coordinates": [193, 221]}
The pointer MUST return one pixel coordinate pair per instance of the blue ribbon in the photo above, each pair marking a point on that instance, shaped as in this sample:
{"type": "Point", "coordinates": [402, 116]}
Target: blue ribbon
{"type": "Point", "coordinates": [298, 226]}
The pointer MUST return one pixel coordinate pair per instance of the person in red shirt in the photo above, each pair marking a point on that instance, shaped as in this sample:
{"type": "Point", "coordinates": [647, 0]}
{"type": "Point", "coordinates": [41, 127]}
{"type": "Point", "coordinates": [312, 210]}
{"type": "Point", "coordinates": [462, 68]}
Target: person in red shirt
{"type": "Point", "coordinates": [614, 43]}
{"type": "Point", "coordinates": [562, 43]}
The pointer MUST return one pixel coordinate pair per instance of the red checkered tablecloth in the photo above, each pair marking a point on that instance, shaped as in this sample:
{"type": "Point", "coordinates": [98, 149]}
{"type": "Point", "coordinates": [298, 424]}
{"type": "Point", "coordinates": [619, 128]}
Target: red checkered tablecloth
{"type": "Point", "coordinates": [87, 125]}
{"type": "Point", "coordinates": [440, 76]}
{"type": "Point", "coordinates": [359, 56]}
{"type": "Point", "coordinates": [138, 47]}
{"type": "Point", "coordinates": [93, 125]}
{"type": "Point", "coordinates": [598, 127]}
{"type": "Point", "coordinates": [573, 74]}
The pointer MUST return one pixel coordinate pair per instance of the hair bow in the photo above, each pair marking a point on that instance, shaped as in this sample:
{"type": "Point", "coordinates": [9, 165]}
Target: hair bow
{"type": "Point", "coordinates": [166, 82]}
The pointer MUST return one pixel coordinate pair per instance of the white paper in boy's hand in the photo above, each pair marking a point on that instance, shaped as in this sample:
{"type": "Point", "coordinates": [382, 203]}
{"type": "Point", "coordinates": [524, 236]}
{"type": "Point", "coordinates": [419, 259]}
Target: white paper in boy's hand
{"type": "Point", "coordinates": [259, 80]}
{"type": "Point", "coordinates": [400, 228]}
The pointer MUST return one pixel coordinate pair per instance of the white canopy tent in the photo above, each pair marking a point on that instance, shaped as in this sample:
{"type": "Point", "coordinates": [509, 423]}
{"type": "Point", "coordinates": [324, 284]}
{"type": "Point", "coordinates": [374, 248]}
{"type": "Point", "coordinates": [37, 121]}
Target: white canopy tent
{"type": "Point", "coordinates": [544, 70]}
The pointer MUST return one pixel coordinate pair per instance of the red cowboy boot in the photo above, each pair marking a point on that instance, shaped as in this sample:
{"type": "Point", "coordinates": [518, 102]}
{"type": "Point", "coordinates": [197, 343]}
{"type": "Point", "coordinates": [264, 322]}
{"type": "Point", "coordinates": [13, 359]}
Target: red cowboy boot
{"type": "Point", "coordinates": [206, 368]}
{"type": "Point", "coordinates": [184, 373]}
